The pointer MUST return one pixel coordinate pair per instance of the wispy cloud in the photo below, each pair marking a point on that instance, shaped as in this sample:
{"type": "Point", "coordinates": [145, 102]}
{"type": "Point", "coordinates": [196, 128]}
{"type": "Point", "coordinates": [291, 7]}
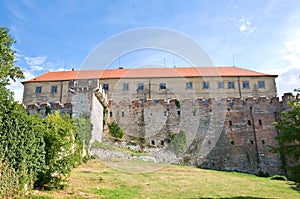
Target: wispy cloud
{"type": "Point", "coordinates": [246, 26]}
{"type": "Point", "coordinates": [36, 63]}
{"type": "Point", "coordinates": [289, 77]}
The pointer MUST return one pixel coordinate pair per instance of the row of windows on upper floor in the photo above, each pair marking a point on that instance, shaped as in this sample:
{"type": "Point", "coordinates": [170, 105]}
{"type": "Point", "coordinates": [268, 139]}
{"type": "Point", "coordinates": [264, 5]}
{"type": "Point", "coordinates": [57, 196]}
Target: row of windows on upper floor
{"type": "Point", "coordinates": [163, 86]}
{"type": "Point", "coordinates": [38, 89]}
{"type": "Point", "coordinates": [189, 85]}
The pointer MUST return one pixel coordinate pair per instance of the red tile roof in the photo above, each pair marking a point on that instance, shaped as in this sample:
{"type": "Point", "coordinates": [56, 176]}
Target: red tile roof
{"type": "Point", "coordinates": [148, 73]}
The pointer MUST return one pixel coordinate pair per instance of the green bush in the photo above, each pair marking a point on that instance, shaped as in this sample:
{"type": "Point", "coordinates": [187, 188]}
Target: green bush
{"type": "Point", "coordinates": [84, 129]}
{"type": "Point", "coordinates": [177, 103]}
{"type": "Point", "coordinates": [279, 177]}
{"type": "Point", "coordinates": [295, 174]}
{"type": "Point", "coordinates": [178, 142]}
{"type": "Point", "coordinates": [63, 151]}
{"type": "Point", "coordinates": [115, 130]}
{"type": "Point", "coordinates": [21, 149]}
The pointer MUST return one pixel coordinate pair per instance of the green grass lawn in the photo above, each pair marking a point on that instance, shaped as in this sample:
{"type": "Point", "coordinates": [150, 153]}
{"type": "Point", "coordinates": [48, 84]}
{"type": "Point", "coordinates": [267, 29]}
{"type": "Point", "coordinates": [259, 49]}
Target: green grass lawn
{"type": "Point", "coordinates": [137, 179]}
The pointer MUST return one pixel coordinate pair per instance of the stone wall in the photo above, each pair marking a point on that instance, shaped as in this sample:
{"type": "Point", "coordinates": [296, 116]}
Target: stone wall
{"type": "Point", "coordinates": [227, 134]}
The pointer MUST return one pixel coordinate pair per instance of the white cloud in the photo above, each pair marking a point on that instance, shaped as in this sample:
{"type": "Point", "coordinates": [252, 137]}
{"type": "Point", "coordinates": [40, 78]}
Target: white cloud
{"type": "Point", "coordinates": [245, 26]}
{"type": "Point", "coordinates": [289, 77]}
{"type": "Point", "coordinates": [36, 63]}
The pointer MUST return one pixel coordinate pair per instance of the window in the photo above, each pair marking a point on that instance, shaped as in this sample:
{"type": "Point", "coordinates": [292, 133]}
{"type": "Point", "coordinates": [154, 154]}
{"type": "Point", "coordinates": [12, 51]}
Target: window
{"type": "Point", "coordinates": [123, 114]}
{"type": "Point", "coordinates": [162, 86]}
{"type": "Point", "coordinates": [90, 82]}
{"type": "Point", "coordinates": [230, 84]}
{"type": "Point", "coordinates": [38, 89]}
{"type": "Point", "coordinates": [245, 84]}
{"type": "Point", "coordinates": [205, 85]}
{"type": "Point", "coordinates": [261, 84]}
{"type": "Point", "coordinates": [76, 82]}
{"type": "Point", "coordinates": [125, 87]}
{"type": "Point", "coordinates": [53, 89]}
{"type": "Point", "coordinates": [249, 122]}
{"type": "Point", "coordinates": [140, 86]}
{"type": "Point", "coordinates": [260, 122]}
{"type": "Point", "coordinates": [220, 84]}
{"type": "Point", "coordinates": [189, 85]}
{"type": "Point", "coordinates": [110, 114]}
{"type": "Point", "coordinates": [105, 87]}
{"type": "Point", "coordinates": [230, 123]}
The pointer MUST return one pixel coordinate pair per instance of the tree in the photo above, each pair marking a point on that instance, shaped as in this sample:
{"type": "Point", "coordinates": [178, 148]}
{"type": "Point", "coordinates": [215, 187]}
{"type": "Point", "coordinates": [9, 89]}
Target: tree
{"type": "Point", "coordinates": [21, 135]}
{"type": "Point", "coordinates": [289, 137]}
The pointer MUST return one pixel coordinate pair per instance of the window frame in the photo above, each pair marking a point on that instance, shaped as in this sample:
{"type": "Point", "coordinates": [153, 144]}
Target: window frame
{"type": "Point", "coordinates": [230, 85]}
{"type": "Point", "coordinates": [125, 87]}
{"type": "Point", "coordinates": [53, 89]}
{"type": "Point", "coordinates": [261, 84]}
{"type": "Point", "coordinates": [162, 86]}
{"type": "Point", "coordinates": [189, 85]}
{"type": "Point", "coordinates": [246, 84]}
{"type": "Point", "coordinates": [205, 85]}
{"type": "Point", "coordinates": [221, 85]}
{"type": "Point", "coordinates": [140, 87]}
{"type": "Point", "coordinates": [105, 86]}
{"type": "Point", "coordinates": [38, 89]}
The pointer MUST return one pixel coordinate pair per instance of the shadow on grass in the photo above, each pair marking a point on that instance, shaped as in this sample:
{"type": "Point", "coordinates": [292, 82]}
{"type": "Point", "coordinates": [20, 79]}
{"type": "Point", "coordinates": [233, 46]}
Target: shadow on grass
{"type": "Point", "coordinates": [235, 197]}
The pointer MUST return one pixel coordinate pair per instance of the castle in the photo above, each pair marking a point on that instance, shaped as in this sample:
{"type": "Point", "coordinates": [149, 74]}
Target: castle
{"type": "Point", "coordinates": [226, 113]}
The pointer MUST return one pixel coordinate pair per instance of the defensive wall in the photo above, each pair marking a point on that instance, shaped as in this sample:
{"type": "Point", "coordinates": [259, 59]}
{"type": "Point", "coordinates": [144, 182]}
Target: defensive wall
{"type": "Point", "coordinates": [226, 134]}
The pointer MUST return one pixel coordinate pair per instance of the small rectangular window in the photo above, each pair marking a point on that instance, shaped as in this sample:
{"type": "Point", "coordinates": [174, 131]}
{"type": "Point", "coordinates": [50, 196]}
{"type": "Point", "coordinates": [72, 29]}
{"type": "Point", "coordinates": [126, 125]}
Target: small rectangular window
{"type": "Point", "coordinates": [140, 86]}
{"type": "Point", "coordinates": [230, 84]}
{"type": "Point", "coordinates": [162, 86]}
{"type": "Point", "coordinates": [205, 85]}
{"type": "Point", "coordinates": [245, 84]}
{"type": "Point", "coordinates": [125, 87]}
{"type": "Point", "coordinates": [53, 89]}
{"type": "Point", "coordinates": [110, 114]}
{"type": "Point", "coordinates": [38, 89]}
{"type": "Point", "coordinates": [230, 123]}
{"type": "Point", "coordinates": [261, 84]}
{"type": "Point", "coordinates": [260, 122]}
{"type": "Point", "coordinates": [189, 85]}
{"type": "Point", "coordinates": [90, 82]}
{"type": "Point", "coordinates": [220, 84]}
{"type": "Point", "coordinates": [123, 114]}
{"type": "Point", "coordinates": [105, 87]}
{"type": "Point", "coordinates": [76, 82]}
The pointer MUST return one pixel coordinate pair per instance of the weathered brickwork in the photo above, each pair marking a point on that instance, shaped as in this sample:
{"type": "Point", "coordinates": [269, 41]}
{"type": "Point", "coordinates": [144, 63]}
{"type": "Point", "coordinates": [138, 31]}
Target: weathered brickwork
{"type": "Point", "coordinates": [227, 134]}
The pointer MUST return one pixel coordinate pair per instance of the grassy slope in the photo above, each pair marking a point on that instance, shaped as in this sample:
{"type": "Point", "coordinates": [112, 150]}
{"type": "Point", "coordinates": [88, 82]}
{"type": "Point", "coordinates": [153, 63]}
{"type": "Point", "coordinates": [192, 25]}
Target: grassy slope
{"type": "Point", "coordinates": [129, 179]}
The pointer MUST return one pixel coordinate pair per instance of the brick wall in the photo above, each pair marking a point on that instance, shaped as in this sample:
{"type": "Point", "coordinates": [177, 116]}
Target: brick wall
{"type": "Point", "coordinates": [227, 134]}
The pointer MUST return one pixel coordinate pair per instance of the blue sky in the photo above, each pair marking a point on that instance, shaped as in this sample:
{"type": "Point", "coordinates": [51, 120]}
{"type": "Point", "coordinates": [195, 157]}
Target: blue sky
{"type": "Point", "coordinates": [59, 34]}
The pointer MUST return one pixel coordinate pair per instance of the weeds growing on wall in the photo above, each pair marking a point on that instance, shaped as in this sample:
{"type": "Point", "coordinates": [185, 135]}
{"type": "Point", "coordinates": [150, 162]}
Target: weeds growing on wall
{"type": "Point", "coordinates": [115, 130]}
{"type": "Point", "coordinates": [178, 142]}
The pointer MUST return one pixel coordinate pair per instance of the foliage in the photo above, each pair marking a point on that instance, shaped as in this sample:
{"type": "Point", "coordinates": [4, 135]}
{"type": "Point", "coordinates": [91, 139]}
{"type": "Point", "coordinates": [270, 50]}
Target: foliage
{"type": "Point", "coordinates": [21, 135]}
{"type": "Point", "coordinates": [177, 103]}
{"type": "Point", "coordinates": [8, 70]}
{"type": "Point", "coordinates": [63, 151]}
{"type": "Point", "coordinates": [115, 130]}
{"type": "Point", "coordinates": [178, 142]}
{"type": "Point", "coordinates": [279, 177]}
{"type": "Point", "coordinates": [289, 137]}
{"type": "Point", "coordinates": [84, 128]}
{"type": "Point", "coordinates": [33, 151]}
